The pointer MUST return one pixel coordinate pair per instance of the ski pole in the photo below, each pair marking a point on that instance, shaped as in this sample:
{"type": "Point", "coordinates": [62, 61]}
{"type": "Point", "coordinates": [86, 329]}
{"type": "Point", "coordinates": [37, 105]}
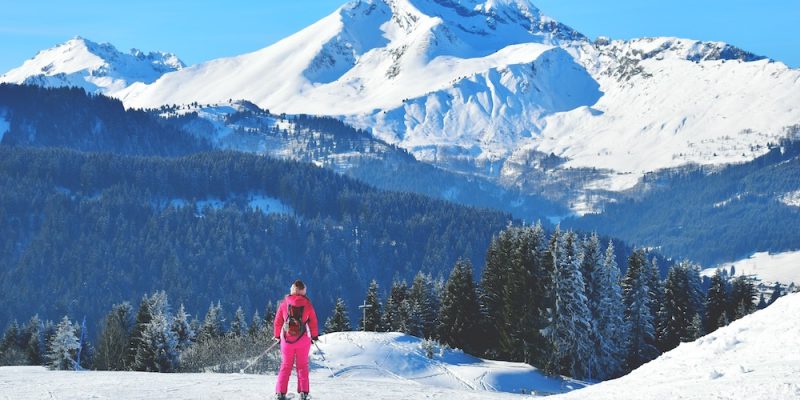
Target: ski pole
{"type": "Point", "coordinates": [320, 351]}
{"type": "Point", "coordinates": [251, 363]}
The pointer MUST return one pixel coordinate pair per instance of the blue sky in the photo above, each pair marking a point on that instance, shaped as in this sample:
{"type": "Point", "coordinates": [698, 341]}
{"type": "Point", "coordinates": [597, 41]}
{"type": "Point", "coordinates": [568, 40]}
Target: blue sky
{"type": "Point", "coordinates": [200, 30]}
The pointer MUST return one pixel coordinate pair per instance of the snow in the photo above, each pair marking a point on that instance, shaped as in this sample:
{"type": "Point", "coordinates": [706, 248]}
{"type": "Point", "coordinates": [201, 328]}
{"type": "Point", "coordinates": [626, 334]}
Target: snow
{"type": "Point", "coordinates": [754, 357]}
{"type": "Point", "coordinates": [97, 68]}
{"type": "Point", "coordinates": [269, 205]}
{"type": "Point", "coordinates": [357, 365]}
{"type": "Point", "coordinates": [791, 199]}
{"type": "Point", "coordinates": [776, 267]}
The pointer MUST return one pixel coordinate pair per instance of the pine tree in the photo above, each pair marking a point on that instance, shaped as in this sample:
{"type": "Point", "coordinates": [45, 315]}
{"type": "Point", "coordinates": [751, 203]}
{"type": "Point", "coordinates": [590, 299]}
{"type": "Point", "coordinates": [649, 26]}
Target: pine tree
{"type": "Point", "coordinates": [158, 350]}
{"type": "Point", "coordinates": [459, 316]}
{"type": "Point", "coordinates": [143, 317]}
{"type": "Point", "coordinates": [115, 337]}
{"type": "Point", "coordinates": [338, 321]}
{"type": "Point", "coordinates": [256, 325]}
{"type": "Point", "coordinates": [371, 317]}
{"type": "Point", "coordinates": [11, 353]}
{"type": "Point", "coordinates": [493, 280]}
{"type": "Point", "coordinates": [696, 328]}
{"type": "Point", "coordinates": [642, 338]}
{"type": "Point", "coordinates": [392, 321]}
{"type": "Point", "coordinates": [743, 292]}
{"type": "Point", "coordinates": [676, 309]}
{"type": "Point", "coordinates": [182, 329]}
{"type": "Point", "coordinates": [34, 346]}
{"type": "Point", "coordinates": [656, 288]}
{"type": "Point", "coordinates": [762, 304]}
{"type": "Point", "coordinates": [609, 328]}
{"type": "Point", "coordinates": [238, 325]}
{"type": "Point", "coordinates": [63, 347]}
{"type": "Point", "coordinates": [571, 318]}
{"type": "Point", "coordinates": [776, 293]}
{"type": "Point", "coordinates": [422, 306]}
{"type": "Point", "coordinates": [716, 303]}
{"type": "Point", "coordinates": [212, 324]}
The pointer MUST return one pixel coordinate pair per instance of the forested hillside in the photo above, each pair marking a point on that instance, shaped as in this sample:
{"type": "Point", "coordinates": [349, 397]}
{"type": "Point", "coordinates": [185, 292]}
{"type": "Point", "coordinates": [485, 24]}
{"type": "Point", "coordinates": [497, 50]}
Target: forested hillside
{"type": "Point", "coordinates": [713, 215]}
{"type": "Point", "coordinates": [82, 231]}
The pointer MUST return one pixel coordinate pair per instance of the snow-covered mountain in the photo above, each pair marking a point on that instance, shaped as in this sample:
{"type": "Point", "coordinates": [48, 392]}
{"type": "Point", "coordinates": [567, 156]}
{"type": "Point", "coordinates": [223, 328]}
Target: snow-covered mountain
{"type": "Point", "coordinates": [494, 86]}
{"type": "Point", "coordinates": [97, 68]}
{"type": "Point", "coordinates": [754, 357]}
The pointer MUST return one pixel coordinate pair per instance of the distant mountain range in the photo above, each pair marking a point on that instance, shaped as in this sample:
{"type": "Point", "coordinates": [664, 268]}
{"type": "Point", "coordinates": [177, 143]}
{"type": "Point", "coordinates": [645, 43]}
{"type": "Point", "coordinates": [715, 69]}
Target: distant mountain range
{"type": "Point", "coordinates": [483, 87]}
{"type": "Point", "coordinates": [509, 106]}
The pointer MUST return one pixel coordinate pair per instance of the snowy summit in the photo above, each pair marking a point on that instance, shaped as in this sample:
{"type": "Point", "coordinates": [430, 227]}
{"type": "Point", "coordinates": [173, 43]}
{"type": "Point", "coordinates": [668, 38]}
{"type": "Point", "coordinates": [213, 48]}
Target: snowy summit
{"type": "Point", "coordinates": [97, 68]}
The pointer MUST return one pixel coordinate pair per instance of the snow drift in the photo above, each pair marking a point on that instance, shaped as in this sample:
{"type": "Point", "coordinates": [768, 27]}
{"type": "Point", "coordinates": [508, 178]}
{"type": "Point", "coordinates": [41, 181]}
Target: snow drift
{"type": "Point", "coordinates": [755, 357]}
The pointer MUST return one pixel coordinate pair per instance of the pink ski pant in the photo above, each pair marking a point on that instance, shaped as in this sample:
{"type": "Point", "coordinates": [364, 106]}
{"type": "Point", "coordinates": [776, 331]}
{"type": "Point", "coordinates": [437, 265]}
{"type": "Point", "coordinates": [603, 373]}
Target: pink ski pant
{"type": "Point", "coordinates": [294, 353]}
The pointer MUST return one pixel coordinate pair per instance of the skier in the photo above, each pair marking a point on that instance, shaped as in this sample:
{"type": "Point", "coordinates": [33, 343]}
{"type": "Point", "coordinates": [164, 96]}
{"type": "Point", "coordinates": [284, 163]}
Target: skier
{"type": "Point", "coordinates": [296, 329]}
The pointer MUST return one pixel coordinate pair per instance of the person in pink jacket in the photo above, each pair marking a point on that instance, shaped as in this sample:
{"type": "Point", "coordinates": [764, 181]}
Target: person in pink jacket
{"type": "Point", "coordinates": [296, 328]}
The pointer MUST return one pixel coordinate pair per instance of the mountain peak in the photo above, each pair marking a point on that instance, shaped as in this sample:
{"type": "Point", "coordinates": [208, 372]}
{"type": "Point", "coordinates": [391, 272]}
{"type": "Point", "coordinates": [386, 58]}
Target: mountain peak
{"type": "Point", "coordinates": [95, 67]}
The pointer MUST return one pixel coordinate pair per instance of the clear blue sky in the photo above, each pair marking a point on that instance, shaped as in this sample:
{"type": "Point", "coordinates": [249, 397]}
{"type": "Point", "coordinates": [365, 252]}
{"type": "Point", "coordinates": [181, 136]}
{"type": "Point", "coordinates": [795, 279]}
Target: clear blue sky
{"type": "Point", "coordinates": [200, 30]}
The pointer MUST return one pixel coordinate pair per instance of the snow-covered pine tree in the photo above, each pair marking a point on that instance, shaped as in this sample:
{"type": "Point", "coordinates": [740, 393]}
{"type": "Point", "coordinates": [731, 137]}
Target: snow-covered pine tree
{"type": "Point", "coordinates": [777, 292]}
{"type": "Point", "coordinates": [409, 323]}
{"type": "Point", "coordinates": [158, 350]}
{"type": "Point", "coordinates": [609, 329]}
{"type": "Point", "coordinates": [530, 316]}
{"type": "Point", "coordinates": [696, 328]}
{"type": "Point", "coordinates": [642, 337]}
{"type": "Point", "coordinates": [238, 325]}
{"type": "Point", "coordinates": [391, 313]}
{"type": "Point", "coordinates": [371, 317]}
{"type": "Point", "coordinates": [34, 345]}
{"type": "Point", "coordinates": [212, 327]}
{"type": "Point", "coordinates": [460, 313]}
{"type": "Point", "coordinates": [493, 293]}
{"type": "Point", "coordinates": [571, 318]}
{"type": "Point", "coordinates": [115, 337]}
{"type": "Point", "coordinates": [256, 325]}
{"type": "Point", "coordinates": [63, 346]}
{"type": "Point", "coordinates": [143, 317]}
{"type": "Point", "coordinates": [656, 294]}
{"type": "Point", "coordinates": [184, 334]}
{"type": "Point", "coordinates": [696, 291]}
{"type": "Point", "coordinates": [11, 353]}
{"type": "Point", "coordinates": [743, 294]}
{"type": "Point", "coordinates": [716, 303]}
{"type": "Point", "coordinates": [338, 321]}
{"type": "Point", "coordinates": [676, 310]}
{"type": "Point", "coordinates": [423, 306]}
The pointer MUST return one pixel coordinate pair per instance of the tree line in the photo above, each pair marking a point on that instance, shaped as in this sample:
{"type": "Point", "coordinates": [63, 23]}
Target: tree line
{"type": "Point", "coordinates": [559, 303]}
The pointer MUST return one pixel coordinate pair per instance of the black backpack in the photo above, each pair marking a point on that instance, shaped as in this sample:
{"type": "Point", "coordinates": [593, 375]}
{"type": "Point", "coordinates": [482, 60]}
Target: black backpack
{"type": "Point", "coordinates": [294, 326]}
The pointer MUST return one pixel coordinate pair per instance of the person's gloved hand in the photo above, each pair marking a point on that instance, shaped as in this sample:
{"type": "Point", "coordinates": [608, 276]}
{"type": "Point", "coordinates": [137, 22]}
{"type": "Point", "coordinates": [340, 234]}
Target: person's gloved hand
{"type": "Point", "coordinates": [315, 339]}
{"type": "Point", "coordinates": [277, 338]}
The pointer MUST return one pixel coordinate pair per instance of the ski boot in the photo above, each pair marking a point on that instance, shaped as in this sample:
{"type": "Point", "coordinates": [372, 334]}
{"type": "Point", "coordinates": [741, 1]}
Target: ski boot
{"type": "Point", "coordinates": [305, 396]}
{"type": "Point", "coordinates": [280, 396]}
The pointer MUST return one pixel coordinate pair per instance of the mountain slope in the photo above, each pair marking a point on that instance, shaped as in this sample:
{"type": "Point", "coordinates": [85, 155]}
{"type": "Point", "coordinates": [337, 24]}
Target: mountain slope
{"type": "Point", "coordinates": [753, 357]}
{"type": "Point", "coordinates": [97, 68]}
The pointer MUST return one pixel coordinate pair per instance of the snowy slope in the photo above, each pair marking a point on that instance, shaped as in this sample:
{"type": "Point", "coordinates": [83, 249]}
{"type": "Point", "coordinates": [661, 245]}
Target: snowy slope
{"type": "Point", "coordinates": [98, 68]}
{"type": "Point", "coordinates": [357, 365]}
{"type": "Point", "coordinates": [755, 357]}
{"type": "Point", "coordinates": [778, 267]}
{"type": "Point", "coordinates": [668, 102]}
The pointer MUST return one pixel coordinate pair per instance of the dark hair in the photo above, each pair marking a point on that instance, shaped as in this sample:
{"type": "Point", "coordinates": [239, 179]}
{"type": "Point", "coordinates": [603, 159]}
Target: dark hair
{"type": "Point", "coordinates": [299, 284]}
